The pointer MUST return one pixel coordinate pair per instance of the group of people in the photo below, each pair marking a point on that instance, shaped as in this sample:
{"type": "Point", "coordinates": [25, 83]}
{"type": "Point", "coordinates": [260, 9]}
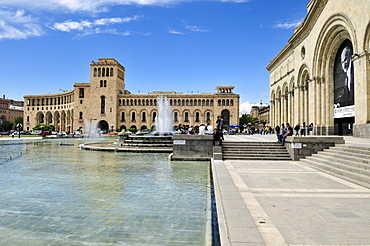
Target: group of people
{"type": "Point", "coordinates": [203, 129]}
{"type": "Point", "coordinates": [286, 130]}
{"type": "Point", "coordinates": [300, 130]}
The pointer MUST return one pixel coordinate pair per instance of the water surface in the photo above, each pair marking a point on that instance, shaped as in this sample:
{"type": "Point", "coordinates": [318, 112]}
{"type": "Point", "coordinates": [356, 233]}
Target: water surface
{"type": "Point", "coordinates": [61, 195]}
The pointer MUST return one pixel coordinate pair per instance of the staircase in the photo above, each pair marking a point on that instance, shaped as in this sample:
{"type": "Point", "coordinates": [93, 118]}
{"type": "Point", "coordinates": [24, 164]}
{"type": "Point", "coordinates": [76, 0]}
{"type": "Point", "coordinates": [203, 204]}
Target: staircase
{"type": "Point", "coordinates": [254, 151]}
{"type": "Point", "coordinates": [348, 162]}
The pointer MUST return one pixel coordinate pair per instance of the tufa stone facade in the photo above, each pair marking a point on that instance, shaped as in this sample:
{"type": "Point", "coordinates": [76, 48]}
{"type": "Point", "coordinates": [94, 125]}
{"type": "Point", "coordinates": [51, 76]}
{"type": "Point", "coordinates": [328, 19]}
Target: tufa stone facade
{"type": "Point", "coordinates": [322, 76]}
{"type": "Point", "coordinates": [106, 104]}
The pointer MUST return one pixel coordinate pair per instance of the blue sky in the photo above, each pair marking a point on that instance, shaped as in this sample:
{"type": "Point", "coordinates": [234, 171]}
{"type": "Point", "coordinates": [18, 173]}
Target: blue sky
{"type": "Point", "coordinates": [183, 46]}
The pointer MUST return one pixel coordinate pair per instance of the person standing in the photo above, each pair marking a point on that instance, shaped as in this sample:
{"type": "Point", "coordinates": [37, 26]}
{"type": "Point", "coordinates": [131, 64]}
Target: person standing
{"type": "Point", "coordinates": [303, 129]}
{"type": "Point", "coordinates": [310, 129]}
{"type": "Point", "coordinates": [220, 126]}
{"type": "Point", "coordinates": [217, 136]}
{"type": "Point", "coordinates": [296, 129]}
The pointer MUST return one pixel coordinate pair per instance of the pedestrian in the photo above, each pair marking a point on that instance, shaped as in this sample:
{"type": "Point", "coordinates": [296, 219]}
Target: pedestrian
{"type": "Point", "coordinates": [296, 129]}
{"type": "Point", "coordinates": [303, 129]}
{"type": "Point", "coordinates": [310, 129]}
{"type": "Point", "coordinates": [217, 137]}
{"type": "Point", "coordinates": [277, 130]}
{"type": "Point", "coordinates": [220, 126]}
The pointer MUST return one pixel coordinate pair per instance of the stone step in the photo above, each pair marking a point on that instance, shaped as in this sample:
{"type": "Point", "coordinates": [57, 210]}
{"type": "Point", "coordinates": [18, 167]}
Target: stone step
{"type": "Point", "coordinates": [254, 151]}
{"type": "Point", "coordinates": [352, 166]}
{"type": "Point", "coordinates": [351, 150]}
{"type": "Point", "coordinates": [261, 158]}
{"type": "Point", "coordinates": [356, 178]}
{"type": "Point", "coordinates": [348, 156]}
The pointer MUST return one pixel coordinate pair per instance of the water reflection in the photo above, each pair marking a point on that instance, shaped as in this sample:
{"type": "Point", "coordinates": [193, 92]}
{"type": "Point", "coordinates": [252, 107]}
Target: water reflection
{"type": "Point", "coordinates": [54, 194]}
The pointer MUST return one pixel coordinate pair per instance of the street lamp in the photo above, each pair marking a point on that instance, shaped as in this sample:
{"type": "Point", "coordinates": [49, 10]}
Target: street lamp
{"type": "Point", "coordinates": [19, 126]}
{"type": "Point", "coordinates": [112, 127]}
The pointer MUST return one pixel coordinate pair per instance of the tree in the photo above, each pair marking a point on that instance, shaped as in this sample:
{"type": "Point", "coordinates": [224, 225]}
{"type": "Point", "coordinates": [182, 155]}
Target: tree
{"type": "Point", "coordinates": [18, 120]}
{"type": "Point", "coordinates": [246, 119]}
{"type": "Point", "coordinates": [44, 127]}
{"type": "Point", "coordinates": [7, 126]}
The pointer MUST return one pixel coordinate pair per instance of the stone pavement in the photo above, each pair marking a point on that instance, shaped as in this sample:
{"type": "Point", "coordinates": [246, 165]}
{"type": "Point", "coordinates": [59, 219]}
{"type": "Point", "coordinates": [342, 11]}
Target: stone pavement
{"type": "Point", "coordinates": [288, 203]}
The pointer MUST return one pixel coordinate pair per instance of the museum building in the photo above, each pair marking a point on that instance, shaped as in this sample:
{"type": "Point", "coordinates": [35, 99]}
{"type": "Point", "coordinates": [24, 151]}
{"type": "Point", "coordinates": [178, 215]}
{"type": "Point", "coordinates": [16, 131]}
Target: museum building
{"type": "Point", "coordinates": [104, 103]}
{"type": "Point", "coordinates": [322, 76]}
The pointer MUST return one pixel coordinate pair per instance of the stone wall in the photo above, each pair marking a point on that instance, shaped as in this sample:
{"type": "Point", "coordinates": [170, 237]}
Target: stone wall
{"type": "Point", "coordinates": [300, 147]}
{"type": "Point", "coordinates": [361, 131]}
{"type": "Point", "coordinates": [192, 147]}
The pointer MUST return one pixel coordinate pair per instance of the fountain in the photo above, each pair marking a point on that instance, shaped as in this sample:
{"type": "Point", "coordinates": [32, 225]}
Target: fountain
{"type": "Point", "coordinates": [163, 122]}
{"type": "Point", "coordinates": [91, 131]}
{"type": "Point", "coordinates": [159, 140]}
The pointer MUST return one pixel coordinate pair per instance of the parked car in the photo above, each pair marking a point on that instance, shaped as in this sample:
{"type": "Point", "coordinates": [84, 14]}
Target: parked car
{"type": "Point", "coordinates": [4, 133]}
{"type": "Point", "coordinates": [36, 132]}
{"type": "Point", "coordinates": [44, 133]}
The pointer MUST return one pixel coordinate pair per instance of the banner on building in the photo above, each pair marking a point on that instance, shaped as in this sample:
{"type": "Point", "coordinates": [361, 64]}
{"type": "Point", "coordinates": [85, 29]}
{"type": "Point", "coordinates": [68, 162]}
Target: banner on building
{"type": "Point", "coordinates": [344, 112]}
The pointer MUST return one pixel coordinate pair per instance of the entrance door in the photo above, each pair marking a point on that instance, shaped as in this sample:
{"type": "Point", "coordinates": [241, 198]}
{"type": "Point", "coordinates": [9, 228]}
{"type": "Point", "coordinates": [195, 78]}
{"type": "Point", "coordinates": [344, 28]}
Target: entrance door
{"type": "Point", "coordinates": [344, 126]}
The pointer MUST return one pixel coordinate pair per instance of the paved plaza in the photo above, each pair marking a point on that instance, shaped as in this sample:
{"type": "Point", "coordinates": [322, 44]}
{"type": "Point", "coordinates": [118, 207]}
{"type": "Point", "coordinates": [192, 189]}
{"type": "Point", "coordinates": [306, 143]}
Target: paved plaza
{"type": "Point", "coordinates": [288, 203]}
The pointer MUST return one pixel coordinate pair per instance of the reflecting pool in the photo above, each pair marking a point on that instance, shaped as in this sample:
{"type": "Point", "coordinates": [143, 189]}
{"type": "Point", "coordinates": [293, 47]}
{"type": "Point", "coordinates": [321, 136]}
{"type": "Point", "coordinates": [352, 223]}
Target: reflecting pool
{"type": "Point", "coordinates": [61, 195]}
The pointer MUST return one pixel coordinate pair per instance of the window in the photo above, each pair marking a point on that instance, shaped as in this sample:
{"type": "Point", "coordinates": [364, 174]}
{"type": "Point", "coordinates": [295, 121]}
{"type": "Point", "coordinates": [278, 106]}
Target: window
{"type": "Point", "coordinates": [208, 117]}
{"type": "Point", "coordinates": [123, 116]}
{"type": "Point", "coordinates": [81, 116]}
{"type": "Point", "coordinates": [154, 116]}
{"type": "Point", "coordinates": [197, 117]}
{"type": "Point", "coordinates": [143, 117]}
{"type": "Point", "coordinates": [102, 104]}
{"type": "Point", "coordinates": [133, 116]}
{"type": "Point", "coordinates": [175, 117]}
{"type": "Point", "coordinates": [81, 94]}
{"type": "Point", "coordinates": [186, 117]}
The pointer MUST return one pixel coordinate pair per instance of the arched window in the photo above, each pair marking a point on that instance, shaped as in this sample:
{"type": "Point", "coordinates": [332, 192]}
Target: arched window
{"type": "Point", "coordinates": [81, 115]}
{"type": "Point", "coordinates": [133, 117]}
{"type": "Point", "coordinates": [143, 118]}
{"type": "Point", "coordinates": [95, 72]}
{"type": "Point", "coordinates": [154, 116]}
{"type": "Point", "coordinates": [103, 72]}
{"type": "Point", "coordinates": [197, 117]}
{"type": "Point", "coordinates": [99, 72]}
{"type": "Point", "coordinates": [186, 117]}
{"type": "Point", "coordinates": [227, 102]}
{"type": "Point", "coordinates": [111, 71]}
{"type": "Point", "coordinates": [123, 116]}
{"type": "Point", "coordinates": [101, 83]}
{"type": "Point", "coordinates": [105, 83]}
{"type": "Point", "coordinates": [81, 94]}
{"type": "Point", "coordinates": [219, 102]}
{"type": "Point", "coordinates": [208, 117]}
{"type": "Point", "coordinates": [195, 102]}
{"type": "Point", "coordinates": [175, 117]}
{"type": "Point", "coordinates": [207, 102]}
{"type": "Point", "coordinates": [102, 104]}
{"type": "Point", "coordinates": [231, 102]}
{"type": "Point", "coordinates": [28, 118]}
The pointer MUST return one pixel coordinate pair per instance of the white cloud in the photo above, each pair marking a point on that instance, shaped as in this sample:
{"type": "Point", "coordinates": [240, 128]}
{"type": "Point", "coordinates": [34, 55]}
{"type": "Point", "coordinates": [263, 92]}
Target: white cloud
{"type": "Point", "coordinates": [15, 24]}
{"type": "Point", "coordinates": [80, 5]}
{"type": "Point", "coordinates": [69, 25]}
{"type": "Point", "coordinates": [245, 107]}
{"type": "Point", "coordinates": [172, 31]}
{"type": "Point", "coordinates": [288, 25]}
{"type": "Point", "coordinates": [195, 28]}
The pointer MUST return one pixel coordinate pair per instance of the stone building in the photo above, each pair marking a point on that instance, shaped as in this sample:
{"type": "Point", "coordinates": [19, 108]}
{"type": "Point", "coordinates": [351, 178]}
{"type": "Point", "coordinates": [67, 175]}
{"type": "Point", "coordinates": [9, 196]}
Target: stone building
{"type": "Point", "coordinates": [104, 103]}
{"type": "Point", "coordinates": [322, 76]}
{"type": "Point", "coordinates": [10, 109]}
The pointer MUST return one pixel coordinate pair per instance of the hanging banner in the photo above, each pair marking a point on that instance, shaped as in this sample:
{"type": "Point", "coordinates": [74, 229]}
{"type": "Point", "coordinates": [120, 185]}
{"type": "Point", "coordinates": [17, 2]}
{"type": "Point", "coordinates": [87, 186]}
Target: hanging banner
{"type": "Point", "coordinates": [343, 112]}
